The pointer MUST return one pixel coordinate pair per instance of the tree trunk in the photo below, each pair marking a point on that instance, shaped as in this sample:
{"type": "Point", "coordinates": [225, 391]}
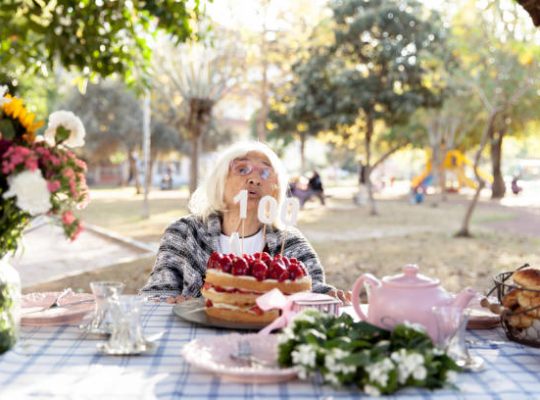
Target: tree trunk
{"type": "Point", "coordinates": [199, 113]}
{"type": "Point", "coordinates": [436, 165]}
{"type": "Point", "coordinates": [369, 133]}
{"type": "Point", "coordinates": [464, 231]}
{"type": "Point", "coordinates": [303, 152]}
{"type": "Point", "coordinates": [194, 168]}
{"type": "Point", "coordinates": [498, 189]}
{"type": "Point", "coordinates": [134, 171]}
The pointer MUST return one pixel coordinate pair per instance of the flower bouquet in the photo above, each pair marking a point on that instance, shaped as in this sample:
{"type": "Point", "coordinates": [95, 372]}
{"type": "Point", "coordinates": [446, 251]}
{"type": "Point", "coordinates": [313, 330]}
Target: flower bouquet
{"type": "Point", "coordinates": [38, 176]}
{"type": "Point", "coordinates": [343, 353]}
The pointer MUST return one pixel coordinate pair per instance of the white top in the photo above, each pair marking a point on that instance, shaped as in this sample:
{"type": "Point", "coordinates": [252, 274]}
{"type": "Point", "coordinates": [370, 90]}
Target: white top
{"type": "Point", "coordinates": [252, 244]}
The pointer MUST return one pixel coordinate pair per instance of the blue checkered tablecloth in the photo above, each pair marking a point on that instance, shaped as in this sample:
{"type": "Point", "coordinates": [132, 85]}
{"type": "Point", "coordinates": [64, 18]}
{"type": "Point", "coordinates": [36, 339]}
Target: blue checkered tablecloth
{"type": "Point", "coordinates": [61, 363]}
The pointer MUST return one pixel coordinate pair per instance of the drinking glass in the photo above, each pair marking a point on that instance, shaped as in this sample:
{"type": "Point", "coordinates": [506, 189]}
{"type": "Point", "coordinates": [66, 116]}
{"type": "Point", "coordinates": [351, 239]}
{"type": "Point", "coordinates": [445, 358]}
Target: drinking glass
{"type": "Point", "coordinates": [127, 336]}
{"type": "Point", "coordinates": [104, 292]}
{"type": "Point", "coordinates": [451, 327]}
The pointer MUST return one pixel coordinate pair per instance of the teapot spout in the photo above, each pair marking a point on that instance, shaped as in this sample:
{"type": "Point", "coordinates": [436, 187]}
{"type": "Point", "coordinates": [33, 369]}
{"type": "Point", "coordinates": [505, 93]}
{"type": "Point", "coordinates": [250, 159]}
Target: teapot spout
{"type": "Point", "coordinates": [463, 298]}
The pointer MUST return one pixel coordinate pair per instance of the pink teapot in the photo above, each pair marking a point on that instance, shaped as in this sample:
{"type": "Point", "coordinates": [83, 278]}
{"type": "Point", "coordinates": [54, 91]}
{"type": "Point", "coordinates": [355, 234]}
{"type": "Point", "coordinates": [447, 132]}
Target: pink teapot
{"type": "Point", "coordinates": [409, 296]}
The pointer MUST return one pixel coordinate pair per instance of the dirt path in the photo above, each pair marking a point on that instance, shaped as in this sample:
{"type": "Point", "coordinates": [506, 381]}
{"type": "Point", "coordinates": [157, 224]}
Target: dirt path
{"type": "Point", "coordinates": [525, 223]}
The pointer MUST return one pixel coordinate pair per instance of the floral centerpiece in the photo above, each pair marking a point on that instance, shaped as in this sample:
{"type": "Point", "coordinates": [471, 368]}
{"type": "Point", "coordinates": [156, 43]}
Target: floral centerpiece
{"type": "Point", "coordinates": [343, 353]}
{"type": "Point", "coordinates": [39, 175]}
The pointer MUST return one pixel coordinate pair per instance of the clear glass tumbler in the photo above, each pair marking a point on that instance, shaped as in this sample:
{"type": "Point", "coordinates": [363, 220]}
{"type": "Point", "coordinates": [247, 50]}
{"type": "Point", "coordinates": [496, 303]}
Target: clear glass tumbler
{"type": "Point", "coordinates": [127, 336]}
{"type": "Point", "coordinates": [104, 292]}
{"type": "Point", "coordinates": [451, 329]}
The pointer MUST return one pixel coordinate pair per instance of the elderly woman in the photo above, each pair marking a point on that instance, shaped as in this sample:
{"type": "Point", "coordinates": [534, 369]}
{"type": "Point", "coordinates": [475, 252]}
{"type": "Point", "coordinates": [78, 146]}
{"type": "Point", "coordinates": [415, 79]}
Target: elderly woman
{"type": "Point", "coordinates": [187, 243]}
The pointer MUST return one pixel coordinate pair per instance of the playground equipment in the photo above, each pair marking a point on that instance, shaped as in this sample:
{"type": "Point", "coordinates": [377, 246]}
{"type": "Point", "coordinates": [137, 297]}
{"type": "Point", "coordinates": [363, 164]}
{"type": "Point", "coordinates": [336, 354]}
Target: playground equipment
{"type": "Point", "coordinates": [455, 163]}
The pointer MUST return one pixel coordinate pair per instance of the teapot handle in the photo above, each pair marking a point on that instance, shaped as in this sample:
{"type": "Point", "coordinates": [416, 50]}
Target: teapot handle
{"type": "Point", "coordinates": [357, 287]}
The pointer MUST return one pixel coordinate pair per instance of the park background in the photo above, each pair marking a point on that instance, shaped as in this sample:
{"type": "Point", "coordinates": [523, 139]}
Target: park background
{"type": "Point", "coordinates": [436, 102]}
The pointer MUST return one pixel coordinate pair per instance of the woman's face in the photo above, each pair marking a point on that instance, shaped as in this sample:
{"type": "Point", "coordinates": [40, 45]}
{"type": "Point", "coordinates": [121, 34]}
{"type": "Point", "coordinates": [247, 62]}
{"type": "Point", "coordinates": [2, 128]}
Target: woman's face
{"type": "Point", "coordinates": [254, 173]}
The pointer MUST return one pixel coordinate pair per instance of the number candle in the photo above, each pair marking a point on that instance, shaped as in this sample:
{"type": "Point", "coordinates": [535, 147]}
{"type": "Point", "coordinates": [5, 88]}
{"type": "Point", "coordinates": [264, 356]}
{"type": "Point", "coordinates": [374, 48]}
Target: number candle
{"type": "Point", "coordinates": [289, 216]}
{"type": "Point", "coordinates": [242, 197]}
{"type": "Point", "coordinates": [267, 213]}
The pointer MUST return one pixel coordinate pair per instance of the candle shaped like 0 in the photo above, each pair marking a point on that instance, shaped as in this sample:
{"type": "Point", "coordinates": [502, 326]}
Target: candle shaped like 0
{"type": "Point", "coordinates": [289, 211]}
{"type": "Point", "coordinates": [267, 210]}
{"type": "Point", "coordinates": [289, 215]}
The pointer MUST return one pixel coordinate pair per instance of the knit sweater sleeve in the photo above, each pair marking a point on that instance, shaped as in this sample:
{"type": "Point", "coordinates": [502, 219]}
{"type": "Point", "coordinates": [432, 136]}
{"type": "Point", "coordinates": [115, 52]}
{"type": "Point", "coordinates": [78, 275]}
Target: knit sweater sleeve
{"type": "Point", "coordinates": [297, 246]}
{"type": "Point", "coordinates": [179, 266]}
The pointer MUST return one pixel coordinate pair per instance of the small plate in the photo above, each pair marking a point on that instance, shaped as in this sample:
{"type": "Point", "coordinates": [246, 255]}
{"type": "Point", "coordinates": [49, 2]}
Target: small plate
{"type": "Point", "coordinates": [193, 311]}
{"type": "Point", "coordinates": [104, 348]}
{"type": "Point", "coordinates": [36, 308]}
{"type": "Point", "coordinates": [213, 354]}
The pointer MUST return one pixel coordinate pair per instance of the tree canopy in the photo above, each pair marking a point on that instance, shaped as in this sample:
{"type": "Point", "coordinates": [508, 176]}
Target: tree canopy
{"type": "Point", "coordinates": [96, 37]}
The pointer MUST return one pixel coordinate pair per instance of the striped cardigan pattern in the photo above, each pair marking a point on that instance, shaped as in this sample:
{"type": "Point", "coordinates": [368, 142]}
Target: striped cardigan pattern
{"type": "Point", "coordinates": [186, 245]}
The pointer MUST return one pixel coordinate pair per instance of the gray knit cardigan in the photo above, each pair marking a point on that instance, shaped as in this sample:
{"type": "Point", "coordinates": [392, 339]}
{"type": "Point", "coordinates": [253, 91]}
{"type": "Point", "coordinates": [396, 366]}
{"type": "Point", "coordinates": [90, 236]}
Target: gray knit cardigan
{"type": "Point", "coordinates": [187, 243]}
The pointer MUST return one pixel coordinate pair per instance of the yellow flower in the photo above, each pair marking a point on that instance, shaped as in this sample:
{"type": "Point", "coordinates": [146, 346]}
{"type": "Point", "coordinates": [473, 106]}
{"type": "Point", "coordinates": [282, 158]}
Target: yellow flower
{"type": "Point", "coordinates": [15, 110]}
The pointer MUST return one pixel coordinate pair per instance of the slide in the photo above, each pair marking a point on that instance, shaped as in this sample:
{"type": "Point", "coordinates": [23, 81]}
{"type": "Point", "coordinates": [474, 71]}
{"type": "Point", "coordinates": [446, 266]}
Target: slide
{"type": "Point", "coordinates": [485, 176]}
{"type": "Point", "coordinates": [420, 179]}
{"type": "Point", "coordinates": [463, 179]}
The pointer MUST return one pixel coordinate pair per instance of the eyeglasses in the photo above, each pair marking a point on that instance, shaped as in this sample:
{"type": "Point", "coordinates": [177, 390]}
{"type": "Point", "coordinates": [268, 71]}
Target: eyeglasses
{"type": "Point", "coordinates": [246, 167]}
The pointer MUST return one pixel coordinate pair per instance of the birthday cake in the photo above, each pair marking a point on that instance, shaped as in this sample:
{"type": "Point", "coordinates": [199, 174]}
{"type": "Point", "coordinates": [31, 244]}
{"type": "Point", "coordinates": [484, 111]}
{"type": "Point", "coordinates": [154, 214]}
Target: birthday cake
{"type": "Point", "coordinates": [233, 284]}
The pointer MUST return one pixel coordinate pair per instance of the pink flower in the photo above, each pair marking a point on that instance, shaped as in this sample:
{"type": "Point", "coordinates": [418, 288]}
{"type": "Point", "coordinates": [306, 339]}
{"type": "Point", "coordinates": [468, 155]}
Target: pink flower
{"type": "Point", "coordinates": [68, 218]}
{"type": "Point", "coordinates": [77, 232]}
{"type": "Point", "coordinates": [53, 186]}
{"type": "Point", "coordinates": [31, 164]}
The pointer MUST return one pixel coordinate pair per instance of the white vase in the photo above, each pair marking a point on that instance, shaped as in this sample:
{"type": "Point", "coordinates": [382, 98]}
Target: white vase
{"type": "Point", "coordinates": [10, 305]}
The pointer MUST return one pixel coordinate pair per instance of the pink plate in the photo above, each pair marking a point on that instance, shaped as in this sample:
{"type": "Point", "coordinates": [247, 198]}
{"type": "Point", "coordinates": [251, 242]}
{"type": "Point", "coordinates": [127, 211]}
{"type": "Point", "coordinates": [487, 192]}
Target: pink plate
{"type": "Point", "coordinates": [213, 354]}
{"type": "Point", "coordinates": [72, 308]}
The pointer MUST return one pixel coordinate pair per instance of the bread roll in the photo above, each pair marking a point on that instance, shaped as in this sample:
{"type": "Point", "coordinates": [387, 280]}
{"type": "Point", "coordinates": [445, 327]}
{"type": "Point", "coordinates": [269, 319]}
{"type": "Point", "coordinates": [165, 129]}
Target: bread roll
{"type": "Point", "coordinates": [520, 319]}
{"type": "Point", "coordinates": [526, 302]}
{"type": "Point", "coordinates": [510, 301]}
{"type": "Point", "coordinates": [528, 278]}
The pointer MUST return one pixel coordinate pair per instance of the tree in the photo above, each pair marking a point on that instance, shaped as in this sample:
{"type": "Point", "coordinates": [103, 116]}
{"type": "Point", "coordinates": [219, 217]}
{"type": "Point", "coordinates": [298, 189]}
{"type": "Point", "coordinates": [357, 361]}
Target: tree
{"type": "Point", "coordinates": [198, 76]}
{"type": "Point", "coordinates": [112, 116]}
{"type": "Point", "coordinates": [501, 78]}
{"type": "Point", "coordinates": [379, 69]}
{"type": "Point", "coordinates": [98, 38]}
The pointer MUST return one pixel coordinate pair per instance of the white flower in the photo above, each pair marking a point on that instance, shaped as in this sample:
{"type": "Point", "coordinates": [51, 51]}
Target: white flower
{"type": "Point", "coordinates": [409, 364]}
{"type": "Point", "coordinates": [372, 390]}
{"type": "Point", "coordinates": [68, 121]}
{"type": "Point", "coordinates": [332, 378]}
{"type": "Point", "coordinates": [286, 334]}
{"type": "Point", "coordinates": [31, 191]}
{"type": "Point", "coordinates": [333, 361]}
{"type": "Point", "coordinates": [378, 372]}
{"type": "Point", "coordinates": [304, 316]}
{"type": "Point", "coordinates": [304, 355]}
{"type": "Point", "coordinates": [3, 91]}
{"type": "Point", "coordinates": [415, 326]}
{"type": "Point", "coordinates": [302, 371]}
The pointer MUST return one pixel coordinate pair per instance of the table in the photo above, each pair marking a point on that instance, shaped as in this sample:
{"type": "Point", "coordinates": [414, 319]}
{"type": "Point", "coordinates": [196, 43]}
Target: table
{"type": "Point", "coordinates": [61, 363]}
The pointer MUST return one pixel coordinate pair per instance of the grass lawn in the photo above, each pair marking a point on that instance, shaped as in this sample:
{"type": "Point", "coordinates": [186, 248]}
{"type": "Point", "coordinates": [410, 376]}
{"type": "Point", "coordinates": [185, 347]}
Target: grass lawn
{"type": "Point", "coordinates": [348, 240]}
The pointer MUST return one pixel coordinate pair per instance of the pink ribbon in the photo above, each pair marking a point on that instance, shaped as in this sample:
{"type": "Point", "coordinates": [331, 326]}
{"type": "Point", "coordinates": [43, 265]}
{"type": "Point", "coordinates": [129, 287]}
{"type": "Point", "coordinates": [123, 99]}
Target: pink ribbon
{"type": "Point", "coordinates": [275, 299]}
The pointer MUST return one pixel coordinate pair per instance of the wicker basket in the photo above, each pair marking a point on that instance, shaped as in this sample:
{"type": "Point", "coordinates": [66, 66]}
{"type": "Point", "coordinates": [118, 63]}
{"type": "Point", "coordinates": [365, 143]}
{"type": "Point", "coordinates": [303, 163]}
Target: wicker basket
{"type": "Point", "coordinates": [530, 335]}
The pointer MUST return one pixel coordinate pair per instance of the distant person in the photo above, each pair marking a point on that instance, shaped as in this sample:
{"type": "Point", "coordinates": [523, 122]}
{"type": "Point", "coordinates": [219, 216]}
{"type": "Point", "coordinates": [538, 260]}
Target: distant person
{"type": "Point", "coordinates": [316, 187]}
{"type": "Point", "coordinates": [516, 189]}
{"type": "Point", "coordinates": [167, 179]}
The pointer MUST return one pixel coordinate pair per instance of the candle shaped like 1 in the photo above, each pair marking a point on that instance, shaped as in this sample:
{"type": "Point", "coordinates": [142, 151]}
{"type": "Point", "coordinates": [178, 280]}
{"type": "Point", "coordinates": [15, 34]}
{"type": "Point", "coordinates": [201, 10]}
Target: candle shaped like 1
{"type": "Point", "coordinates": [242, 197]}
{"type": "Point", "coordinates": [289, 216]}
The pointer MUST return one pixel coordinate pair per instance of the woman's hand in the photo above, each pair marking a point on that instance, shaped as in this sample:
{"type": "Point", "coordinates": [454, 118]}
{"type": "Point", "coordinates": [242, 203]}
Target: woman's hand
{"type": "Point", "coordinates": [344, 296]}
{"type": "Point", "coordinates": [177, 299]}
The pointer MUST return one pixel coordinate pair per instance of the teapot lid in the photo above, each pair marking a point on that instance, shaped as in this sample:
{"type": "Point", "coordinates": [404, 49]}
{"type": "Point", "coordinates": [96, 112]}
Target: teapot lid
{"type": "Point", "coordinates": [410, 278]}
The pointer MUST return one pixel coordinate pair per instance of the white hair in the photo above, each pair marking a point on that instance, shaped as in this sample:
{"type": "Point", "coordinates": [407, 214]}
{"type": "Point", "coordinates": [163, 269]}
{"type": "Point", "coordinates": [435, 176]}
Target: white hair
{"type": "Point", "coordinates": [208, 198]}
